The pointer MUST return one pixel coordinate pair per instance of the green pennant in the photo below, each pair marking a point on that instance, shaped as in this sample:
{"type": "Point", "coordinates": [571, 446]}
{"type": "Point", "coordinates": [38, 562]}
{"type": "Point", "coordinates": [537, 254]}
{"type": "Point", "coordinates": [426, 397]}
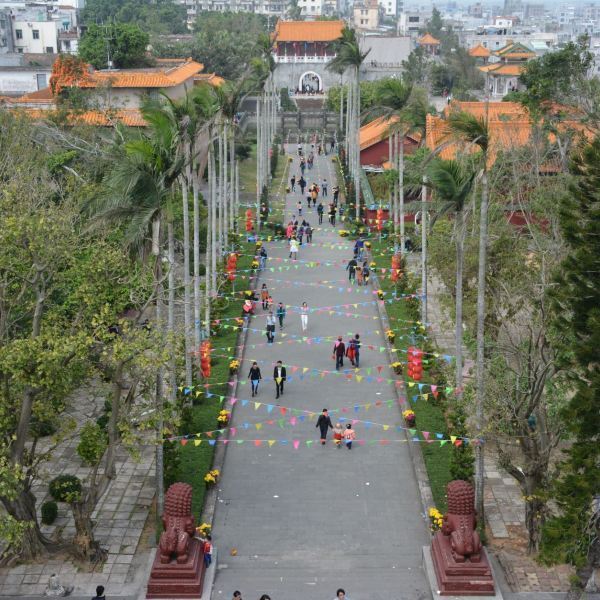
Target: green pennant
{"type": "Point", "coordinates": [412, 432]}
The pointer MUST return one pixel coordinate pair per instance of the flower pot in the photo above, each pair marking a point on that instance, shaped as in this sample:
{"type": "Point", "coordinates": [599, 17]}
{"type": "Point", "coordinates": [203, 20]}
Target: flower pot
{"type": "Point", "coordinates": [398, 370]}
{"type": "Point", "coordinates": [411, 421]}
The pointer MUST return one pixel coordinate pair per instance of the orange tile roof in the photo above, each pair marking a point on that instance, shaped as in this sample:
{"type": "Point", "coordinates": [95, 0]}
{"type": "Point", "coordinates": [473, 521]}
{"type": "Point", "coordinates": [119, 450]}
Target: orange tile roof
{"type": "Point", "coordinates": [129, 117]}
{"type": "Point", "coordinates": [40, 97]}
{"type": "Point", "coordinates": [210, 78]}
{"type": "Point", "coordinates": [375, 131]}
{"type": "Point", "coordinates": [479, 51]}
{"type": "Point", "coordinates": [308, 31]}
{"type": "Point", "coordinates": [507, 70]}
{"type": "Point", "coordinates": [131, 78]}
{"type": "Point", "coordinates": [428, 40]}
{"type": "Point", "coordinates": [515, 48]}
{"type": "Point", "coordinates": [518, 55]}
{"type": "Point", "coordinates": [502, 111]}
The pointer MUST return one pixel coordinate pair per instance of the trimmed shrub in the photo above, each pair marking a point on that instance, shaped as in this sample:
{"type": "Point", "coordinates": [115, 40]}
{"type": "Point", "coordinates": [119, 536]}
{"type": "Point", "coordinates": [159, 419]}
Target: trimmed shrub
{"type": "Point", "coordinates": [65, 488]}
{"type": "Point", "coordinates": [49, 512]}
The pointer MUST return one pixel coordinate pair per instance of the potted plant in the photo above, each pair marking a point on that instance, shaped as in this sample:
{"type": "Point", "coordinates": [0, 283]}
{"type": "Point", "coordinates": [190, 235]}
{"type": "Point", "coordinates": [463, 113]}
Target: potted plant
{"type": "Point", "coordinates": [343, 233]}
{"type": "Point", "coordinates": [211, 478]}
{"type": "Point", "coordinates": [409, 417]}
{"type": "Point", "coordinates": [368, 245]}
{"type": "Point", "coordinates": [223, 418]}
{"type": "Point", "coordinates": [204, 530]}
{"type": "Point", "coordinates": [436, 519]}
{"type": "Point", "coordinates": [234, 365]}
{"type": "Point", "coordinates": [254, 265]}
{"type": "Point", "coordinates": [397, 366]}
{"type": "Point", "coordinates": [390, 334]}
{"type": "Point", "coordinates": [380, 294]}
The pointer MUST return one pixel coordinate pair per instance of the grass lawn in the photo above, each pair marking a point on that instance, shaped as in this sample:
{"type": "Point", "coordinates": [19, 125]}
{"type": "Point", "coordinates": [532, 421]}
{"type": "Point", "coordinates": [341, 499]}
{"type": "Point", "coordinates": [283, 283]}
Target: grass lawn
{"type": "Point", "coordinates": [429, 415]}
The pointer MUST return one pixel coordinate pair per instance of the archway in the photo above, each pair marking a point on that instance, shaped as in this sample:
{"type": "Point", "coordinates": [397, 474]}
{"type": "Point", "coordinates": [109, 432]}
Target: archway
{"type": "Point", "coordinates": [310, 83]}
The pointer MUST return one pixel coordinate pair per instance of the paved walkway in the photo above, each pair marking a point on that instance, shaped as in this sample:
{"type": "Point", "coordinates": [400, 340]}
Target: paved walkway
{"type": "Point", "coordinates": [305, 522]}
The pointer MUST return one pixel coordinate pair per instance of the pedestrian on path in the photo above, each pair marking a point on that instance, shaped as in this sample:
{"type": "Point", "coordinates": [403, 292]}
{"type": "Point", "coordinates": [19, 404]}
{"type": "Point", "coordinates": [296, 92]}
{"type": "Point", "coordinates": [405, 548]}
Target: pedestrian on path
{"type": "Point", "coordinates": [338, 434]}
{"type": "Point", "coordinates": [324, 188]}
{"type": "Point", "coordinates": [270, 303]}
{"type": "Point", "coordinates": [270, 328]}
{"type": "Point", "coordinates": [351, 268]}
{"type": "Point", "coordinates": [99, 593]}
{"type": "Point", "coordinates": [294, 249]}
{"type": "Point", "coordinates": [332, 144]}
{"type": "Point", "coordinates": [237, 595]}
{"type": "Point", "coordinates": [304, 316]}
{"type": "Point", "coordinates": [336, 193]}
{"type": "Point", "coordinates": [302, 166]}
{"type": "Point", "coordinates": [349, 437]}
{"type": "Point", "coordinates": [356, 347]}
{"type": "Point", "coordinates": [320, 213]}
{"type": "Point", "coordinates": [332, 211]}
{"type": "Point", "coordinates": [254, 376]}
{"type": "Point", "coordinates": [208, 551]}
{"type": "Point", "coordinates": [300, 234]}
{"type": "Point", "coordinates": [262, 256]}
{"type": "Point", "coordinates": [314, 193]}
{"type": "Point", "coordinates": [309, 231]}
{"type": "Point", "coordinates": [281, 314]}
{"type": "Point", "coordinates": [279, 376]}
{"type": "Point", "coordinates": [324, 423]}
{"type": "Point", "coordinates": [289, 230]}
{"type": "Point", "coordinates": [366, 273]}
{"type": "Point", "coordinates": [299, 149]}
{"type": "Point", "coordinates": [299, 207]}
{"type": "Point", "coordinates": [293, 183]}
{"type": "Point", "coordinates": [341, 595]}
{"type": "Point", "coordinates": [302, 184]}
{"type": "Point", "coordinates": [339, 349]}
{"type": "Point", "coordinates": [350, 351]}
{"type": "Point", "coordinates": [359, 277]}
{"type": "Point", "coordinates": [248, 309]}
{"type": "Point", "coordinates": [264, 296]}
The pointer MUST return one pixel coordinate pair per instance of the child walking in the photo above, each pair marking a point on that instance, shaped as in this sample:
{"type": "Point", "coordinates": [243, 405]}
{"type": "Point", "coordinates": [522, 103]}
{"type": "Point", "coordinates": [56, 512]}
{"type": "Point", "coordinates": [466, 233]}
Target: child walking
{"type": "Point", "coordinates": [349, 436]}
{"type": "Point", "coordinates": [338, 434]}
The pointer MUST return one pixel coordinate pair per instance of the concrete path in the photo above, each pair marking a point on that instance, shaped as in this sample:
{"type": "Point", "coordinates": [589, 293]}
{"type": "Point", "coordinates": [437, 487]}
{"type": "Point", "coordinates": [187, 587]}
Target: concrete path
{"type": "Point", "coordinates": [305, 522]}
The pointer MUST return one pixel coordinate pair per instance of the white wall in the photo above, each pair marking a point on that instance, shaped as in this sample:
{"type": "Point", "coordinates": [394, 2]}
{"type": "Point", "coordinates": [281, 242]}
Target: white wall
{"type": "Point", "coordinates": [15, 83]}
{"type": "Point", "coordinates": [311, 8]}
{"type": "Point", "coordinates": [46, 36]}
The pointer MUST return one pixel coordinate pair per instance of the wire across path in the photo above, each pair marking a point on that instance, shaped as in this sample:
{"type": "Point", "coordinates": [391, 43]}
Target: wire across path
{"type": "Point", "coordinates": [306, 519]}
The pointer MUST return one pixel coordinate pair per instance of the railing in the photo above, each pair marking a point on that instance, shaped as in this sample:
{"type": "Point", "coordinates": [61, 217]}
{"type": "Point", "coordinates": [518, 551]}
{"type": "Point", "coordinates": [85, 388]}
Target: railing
{"type": "Point", "coordinates": [365, 186]}
{"type": "Point", "coordinates": [302, 59]}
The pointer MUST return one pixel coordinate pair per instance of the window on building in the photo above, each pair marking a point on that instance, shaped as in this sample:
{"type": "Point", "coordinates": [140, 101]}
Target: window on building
{"type": "Point", "coordinates": [49, 50]}
{"type": "Point", "coordinates": [413, 19]}
{"type": "Point", "coordinates": [19, 34]}
{"type": "Point", "coordinates": [42, 82]}
{"type": "Point", "coordinates": [36, 34]}
{"type": "Point", "coordinates": [19, 50]}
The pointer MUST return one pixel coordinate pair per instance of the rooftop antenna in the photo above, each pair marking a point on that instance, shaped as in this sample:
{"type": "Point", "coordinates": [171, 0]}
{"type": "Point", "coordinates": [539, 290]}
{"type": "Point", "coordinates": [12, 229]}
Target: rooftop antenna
{"type": "Point", "coordinates": [108, 38]}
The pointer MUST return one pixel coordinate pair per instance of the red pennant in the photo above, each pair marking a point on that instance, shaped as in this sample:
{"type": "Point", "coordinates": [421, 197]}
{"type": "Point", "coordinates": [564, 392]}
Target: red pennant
{"type": "Point", "coordinates": [379, 368]}
{"type": "Point", "coordinates": [283, 410]}
{"type": "Point", "coordinates": [257, 442]}
{"type": "Point", "coordinates": [184, 442]}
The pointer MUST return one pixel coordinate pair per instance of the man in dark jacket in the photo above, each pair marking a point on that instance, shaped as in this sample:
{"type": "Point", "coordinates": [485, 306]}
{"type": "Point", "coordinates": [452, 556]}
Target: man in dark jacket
{"type": "Point", "coordinates": [324, 423]}
{"type": "Point", "coordinates": [279, 375]}
{"type": "Point", "coordinates": [339, 349]}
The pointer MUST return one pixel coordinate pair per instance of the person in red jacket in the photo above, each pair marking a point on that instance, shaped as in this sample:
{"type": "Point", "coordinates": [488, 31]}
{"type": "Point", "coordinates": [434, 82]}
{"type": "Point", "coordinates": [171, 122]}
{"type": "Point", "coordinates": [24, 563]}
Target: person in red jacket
{"type": "Point", "coordinates": [339, 349]}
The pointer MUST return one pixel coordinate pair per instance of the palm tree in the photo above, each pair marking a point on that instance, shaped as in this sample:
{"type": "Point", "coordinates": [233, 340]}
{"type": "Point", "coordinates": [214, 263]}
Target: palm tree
{"type": "Point", "coordinates": [391, 99]}
{"type": "Point", "coordinates": [349, 56]}
{"type": "Point", "coordinates": [452, 184]}
{"type": "Point", "coordinates": [138, 191]}
{"type": "Point", "coordinates": [474, 131]}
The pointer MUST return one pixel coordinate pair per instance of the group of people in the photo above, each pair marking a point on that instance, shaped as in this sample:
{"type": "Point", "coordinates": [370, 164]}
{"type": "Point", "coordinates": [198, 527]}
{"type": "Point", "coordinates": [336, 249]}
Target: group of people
{"type": "Point", "coordinates": [347, 435]}
{"type": "Point", "coordinates": [339, 595]}
{"type": "Point", "coordinates": [351, 351]}
{"type": "Point", "coordinates": [295, 233]}
{"type": "Point", "coordinates": [357, 272]}
{"type": "Point", "coordinates": [279, 376]}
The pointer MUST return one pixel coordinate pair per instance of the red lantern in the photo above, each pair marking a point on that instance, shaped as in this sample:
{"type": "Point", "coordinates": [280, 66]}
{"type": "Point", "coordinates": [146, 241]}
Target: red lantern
{"type": "Point", "coordinates": [396, 270]}
{"type": "Point", "coordinates": [205, 358]}
{"type": "Point", "coordinates": [415, 363]}
{"type": "Point", "coordinates": [249, 220]}
{"type": "Point", "coordinates": [231, 266]}
{"type": "Point", "coordinates": [379, 219]}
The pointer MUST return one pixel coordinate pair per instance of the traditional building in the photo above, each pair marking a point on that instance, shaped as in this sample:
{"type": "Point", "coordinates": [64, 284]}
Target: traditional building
{"type": "Point", "coordinates": [302, 50]}
{"type": "Point", "coordinates": [502, 76]}
{"type": "Point", "coordinates": [430, 44]}
{"type": "Point", "coordinates": [480, 53]}
{"type": "Point", "coordinates": [374, 141]}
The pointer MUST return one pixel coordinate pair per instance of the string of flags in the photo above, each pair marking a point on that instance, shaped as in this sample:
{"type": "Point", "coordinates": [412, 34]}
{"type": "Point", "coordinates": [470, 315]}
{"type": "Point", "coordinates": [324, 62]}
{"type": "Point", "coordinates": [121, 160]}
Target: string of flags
{"type": "Point", "coordinates": [296, 444]}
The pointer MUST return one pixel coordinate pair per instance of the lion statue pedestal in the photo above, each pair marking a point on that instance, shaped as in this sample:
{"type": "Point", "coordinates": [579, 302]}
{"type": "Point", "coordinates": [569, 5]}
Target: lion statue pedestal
{"type": "Point", "coordinates": [178, 568]}
{"type": "Point", "coordinates": [461, 566]}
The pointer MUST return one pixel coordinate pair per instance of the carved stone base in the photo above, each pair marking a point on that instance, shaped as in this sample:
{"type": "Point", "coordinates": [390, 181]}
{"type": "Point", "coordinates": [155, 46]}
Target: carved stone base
{"type": "Point", "coordinates": [178, 581]}
{"type": "Point", "coordinates": [460, 579]}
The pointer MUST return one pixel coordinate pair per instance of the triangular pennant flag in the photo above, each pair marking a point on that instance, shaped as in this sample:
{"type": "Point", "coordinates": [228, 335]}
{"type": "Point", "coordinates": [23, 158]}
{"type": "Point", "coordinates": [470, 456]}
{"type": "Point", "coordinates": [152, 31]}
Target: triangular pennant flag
{"type": "Point", "coordinates": [296, 444]}
{"type": "Point", "coordinates": [271, 442]}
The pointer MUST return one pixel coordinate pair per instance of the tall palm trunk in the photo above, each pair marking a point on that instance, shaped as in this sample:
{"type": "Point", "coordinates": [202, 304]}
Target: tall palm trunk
{"type": "Point", "coordinates": [213, 225]}
{"type": "Point", "coordinates": [401, 195]}
{"type": "Point", "coordinates": [171, 313]}
{"type": "Point", "coordinates": [341, 106]}
{"type": "Point", "coordinates": [232, 191]}
{"type": "Point", "coordinates": [258, 159]}
{"type": "Point", "coordinates": [356, 142]}
{"type": "Point", "coordinates": [197, 293]}
{"type": "Point", "coordinates": [221, 188]}
{"type": "Point", "coordinates": [159, 393]}
{"type": "Point", "coordinates": [424, 252]}
{"type": "Point", "coordinates": [480, 367]}
{"type": "Point", "coordinates": [348, 120]}
{"type": "Point", "coordinates": [187, 316]}
{"type": "Point", "coordinates": [460, 243]}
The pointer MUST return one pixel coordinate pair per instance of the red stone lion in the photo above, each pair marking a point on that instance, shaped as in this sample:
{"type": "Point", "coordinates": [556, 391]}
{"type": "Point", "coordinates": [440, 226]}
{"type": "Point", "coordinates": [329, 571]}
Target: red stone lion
{"type": "Point", "coordinates": [178, 524]}
{"type": "Point", "coordinates": [460, 522]}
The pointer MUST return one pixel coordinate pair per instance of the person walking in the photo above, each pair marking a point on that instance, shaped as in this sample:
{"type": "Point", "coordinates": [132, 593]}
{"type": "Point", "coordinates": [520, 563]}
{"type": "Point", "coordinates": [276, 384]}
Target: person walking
{"type": "Point", "coordinates": [324, 423]}
{"type": "Point", "coordinates": [254, 376]}
{"type": "Point", "coordinates": [338, 435]}
{"type": "Point", "coordinates": [294, 249]}
{"type": "Point", "coordinates": [299, 207]}
{"type": "Point", "coordinates": [270, 303]}
{"type": "Point", "coordinates": [350, 351]}
{"type": "Point", "coordinates": [302, 166]}
{"type": "Point", "coordinates": [99, 593]}
{"type": "Point", "coordinates": [320, 213]}
{"type": "Point", "coordinates": [314, 193]}
{"type": "Point", "coordinates": [300, 234]}
{"type": "Point", "coordinates": [302, 184]}
{"type": "Point", "coordinates": [341, 595]}
{"type": "Point", "coordinates": [262, 256]}
{"type": "Point", "coordinates": [237, 595]}
{"type": "Point", "coordinates": [280, 314]}
{"type": "Point", "coordinates": [351, 268]}
{"type": "Point", "coordinates": [359, 277]}
{"type": "Point", "coordinates": [270, 327]}
{"type": "Point", "coordinates": [279, 376]}
{"type": "Point", "coordinates": [208, 551]}
{"type": "Point", "coordinates": [339, 349]}
{"type": "Point", "coordinates": [309, 231]}
{"type": "Point", "coordinates": [264, 295]}
{"type": "Point", "coordinates": [293, 183]}
{"type": "Point", "coordinates": [356, 346]}
{"type": "Point", "coordinates": [336, 193]}
{"type": "Point", "coordinates": [349, 436]}
{"type": "Point", "coordinates": [304, 316]}
{"type": "Point", "coordinates": [332, 144]}
{"type": "Point", "coordinates": [332, 211]}
{"type": "Point", "coordinates": [366, 272]}
{"type": "Point", "coordinates": [324, 188]}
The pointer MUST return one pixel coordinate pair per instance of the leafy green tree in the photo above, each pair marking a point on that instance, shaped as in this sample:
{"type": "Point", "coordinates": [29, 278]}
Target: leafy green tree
{"type": "Point", "coordinates": [127, 44]}
{"type": "Point", "coordinates": [416, 67]}
{"type": "Point", "coordinates": [155, 17]}
{"type": "Point", "coordinates": [573, 534]}
{"type": "Point", "coordinates": [435, 23]}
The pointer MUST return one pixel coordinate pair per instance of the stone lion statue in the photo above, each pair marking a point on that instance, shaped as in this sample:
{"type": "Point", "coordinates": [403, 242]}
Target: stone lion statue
{"type": "Point", "coordinates": [178, 524]}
